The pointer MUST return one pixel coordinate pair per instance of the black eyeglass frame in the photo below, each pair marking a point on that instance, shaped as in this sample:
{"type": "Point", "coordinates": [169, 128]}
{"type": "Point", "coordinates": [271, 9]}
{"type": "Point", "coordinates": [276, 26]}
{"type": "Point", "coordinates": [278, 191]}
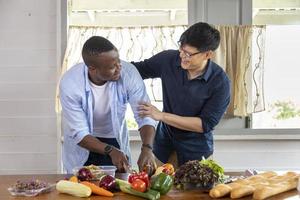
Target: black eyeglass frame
{"type": "Point", "coordinates": [188, 55]}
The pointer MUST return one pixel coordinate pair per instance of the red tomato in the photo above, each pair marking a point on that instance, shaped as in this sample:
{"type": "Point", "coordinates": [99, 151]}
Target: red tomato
{"type": "Point", "coordinates": [138, 185]}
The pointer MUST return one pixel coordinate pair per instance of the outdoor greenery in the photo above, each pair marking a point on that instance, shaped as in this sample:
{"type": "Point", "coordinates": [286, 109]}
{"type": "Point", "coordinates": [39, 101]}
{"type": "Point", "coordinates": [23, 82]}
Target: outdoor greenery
{"type": "Point", "coordinates": [286, 110]}
{"type": "Point", "coordinates": [131, 124]}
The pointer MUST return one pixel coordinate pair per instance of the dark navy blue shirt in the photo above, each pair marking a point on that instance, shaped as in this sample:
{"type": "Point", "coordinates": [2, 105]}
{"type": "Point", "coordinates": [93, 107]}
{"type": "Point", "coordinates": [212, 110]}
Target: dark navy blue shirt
{"type": "Point", "coordinates": [206, 96]}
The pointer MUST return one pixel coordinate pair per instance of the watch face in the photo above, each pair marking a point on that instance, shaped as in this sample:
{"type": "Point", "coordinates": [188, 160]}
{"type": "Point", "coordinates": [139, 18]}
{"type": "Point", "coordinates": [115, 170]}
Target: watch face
{"type": "Point", "coordinates": [108, 149]}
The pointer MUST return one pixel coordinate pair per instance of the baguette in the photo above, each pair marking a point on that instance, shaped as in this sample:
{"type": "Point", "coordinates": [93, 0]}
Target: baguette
{"type": "Point", "coordinates": [274, 189]}
{"type": "Point", "coordinates": [247, 186]}
{"type": "Point", "coordinates": [268, 174]}
{"type": "Point", "coordinates": [256, 178]}
{"type": "Point", "coordinates": [281, 178]}
{"type": "Point", "coordinates": [242, 191]}
{"type": "Point", "coordinates": [220, 190]}
{"type": "Point", "coordinates": [245, 190]}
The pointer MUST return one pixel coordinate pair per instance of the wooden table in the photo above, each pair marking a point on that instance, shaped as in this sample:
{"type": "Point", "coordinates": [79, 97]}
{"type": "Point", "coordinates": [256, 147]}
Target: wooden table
{"type": "Point", "coordinates": [8, 180]}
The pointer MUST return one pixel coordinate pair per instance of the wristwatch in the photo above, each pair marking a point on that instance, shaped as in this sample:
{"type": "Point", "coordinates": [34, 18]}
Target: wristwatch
{"type": "Point", "coordinates": [147, 146]}
{"type": "Point", "coordinates": [107, 149]}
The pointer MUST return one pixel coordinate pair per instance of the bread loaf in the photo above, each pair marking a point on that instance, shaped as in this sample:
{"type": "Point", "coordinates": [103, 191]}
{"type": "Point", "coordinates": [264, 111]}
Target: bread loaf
{"type": "Point", "coordinates": [267, 174]}
{"type": "Point", "coordinates": [242, 191]}
{"type": "Point", "coordinates": [261, 186]}
{"type": "Point", "coordinates": [219, 190]}
{"type": "Point", "coordinates": [273, 189]}
{"type": "Point", "coordinates": [281, 178]}
{"type": "Point", "coordinates": [222, 190]}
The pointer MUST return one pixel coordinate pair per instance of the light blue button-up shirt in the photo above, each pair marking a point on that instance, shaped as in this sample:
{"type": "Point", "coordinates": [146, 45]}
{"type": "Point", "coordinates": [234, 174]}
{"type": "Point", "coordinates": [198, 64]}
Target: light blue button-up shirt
{"type": "Point", "coordinates": [77, 110]}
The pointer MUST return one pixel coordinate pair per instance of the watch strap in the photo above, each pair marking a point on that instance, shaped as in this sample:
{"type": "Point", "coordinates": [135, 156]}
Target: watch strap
{"type": "Point", "coordinates": [107, 149]}
{"type": "Point", "coordinates": [147, 146]}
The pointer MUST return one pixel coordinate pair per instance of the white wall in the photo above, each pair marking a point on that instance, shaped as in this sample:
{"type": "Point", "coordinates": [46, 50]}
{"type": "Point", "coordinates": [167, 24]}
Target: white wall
{"type": "Point", "coordinates": [28, 73]}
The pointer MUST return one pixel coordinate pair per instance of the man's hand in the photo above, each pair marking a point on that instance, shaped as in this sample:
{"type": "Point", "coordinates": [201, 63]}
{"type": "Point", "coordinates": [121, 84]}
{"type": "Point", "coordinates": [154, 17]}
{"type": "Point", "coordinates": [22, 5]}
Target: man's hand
{"type": "Point", "coordinates": [119, 159]}
{"type": "Point", "coordinates": [148, 110]}
{"type": "Point", "coordinates": [146, 159]}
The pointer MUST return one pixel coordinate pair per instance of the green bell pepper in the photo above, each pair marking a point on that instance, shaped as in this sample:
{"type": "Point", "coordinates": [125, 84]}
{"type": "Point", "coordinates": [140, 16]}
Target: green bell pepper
{"type": "Point", "coordinates": [162, 183]}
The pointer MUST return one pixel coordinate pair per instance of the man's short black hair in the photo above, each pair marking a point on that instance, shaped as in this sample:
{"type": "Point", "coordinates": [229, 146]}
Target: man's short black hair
{"type": "Point", "coordinates": [201, 36]}
{"type": "Point", "coordinates": [94, 46]}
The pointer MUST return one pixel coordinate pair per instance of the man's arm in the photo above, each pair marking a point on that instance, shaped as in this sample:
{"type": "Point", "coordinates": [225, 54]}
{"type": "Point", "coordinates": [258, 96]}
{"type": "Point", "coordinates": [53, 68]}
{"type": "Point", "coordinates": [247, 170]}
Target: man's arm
{"type": "Point", "coordinates": [93, 144]}
{"type": "Point", "coordinates": [185, 123]}
{"type": "Point", "coordinates": [152, 67]}
{"type": "Point", "coordinates": [207, 119]}
{"type": "Point", "coordinates": [146, 161]}
{"type": "Point", "coordinates": [147, 133]}
{"type": "Point", "coordinates": [136, 91]}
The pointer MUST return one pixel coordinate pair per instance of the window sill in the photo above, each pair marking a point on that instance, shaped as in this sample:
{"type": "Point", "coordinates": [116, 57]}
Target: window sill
{"type": "Point", "coordinates": [244, 134]}
{"type": "Point", "coordinates": [257, 134]}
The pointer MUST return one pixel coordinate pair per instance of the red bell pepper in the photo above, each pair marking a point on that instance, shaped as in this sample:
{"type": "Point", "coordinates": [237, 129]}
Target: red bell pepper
{"type": "Point", "coordinates": [139, 175]}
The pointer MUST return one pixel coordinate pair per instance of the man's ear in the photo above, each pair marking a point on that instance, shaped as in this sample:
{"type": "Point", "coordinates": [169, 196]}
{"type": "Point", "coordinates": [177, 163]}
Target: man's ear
{"type": "Point", "coordinates": [209, 54]}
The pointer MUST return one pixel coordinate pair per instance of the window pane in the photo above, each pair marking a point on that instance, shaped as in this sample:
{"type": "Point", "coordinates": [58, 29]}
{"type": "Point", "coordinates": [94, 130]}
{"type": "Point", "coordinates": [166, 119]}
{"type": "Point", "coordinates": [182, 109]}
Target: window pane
{"type": "Point", "coordinates": [281, 79]}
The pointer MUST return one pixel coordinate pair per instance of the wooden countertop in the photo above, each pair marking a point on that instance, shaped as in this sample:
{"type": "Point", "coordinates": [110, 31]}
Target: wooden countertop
{"type": "Point", "coordinates": [8, 180]}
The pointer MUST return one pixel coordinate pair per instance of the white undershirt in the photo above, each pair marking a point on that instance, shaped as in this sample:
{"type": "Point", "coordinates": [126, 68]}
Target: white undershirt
{"type": "Point", "coordinates": [102, 123]}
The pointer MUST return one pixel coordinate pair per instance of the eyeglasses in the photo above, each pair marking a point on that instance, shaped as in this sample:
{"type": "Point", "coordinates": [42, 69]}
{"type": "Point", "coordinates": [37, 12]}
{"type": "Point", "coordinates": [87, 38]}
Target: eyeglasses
{"type": "Point", "coordinates": [187, 54]}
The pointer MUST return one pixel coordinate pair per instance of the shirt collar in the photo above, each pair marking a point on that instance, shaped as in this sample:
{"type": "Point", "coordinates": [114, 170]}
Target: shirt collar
{"type": "Point", "coordinates": [178, 60]}
{"type": "Point", "coordinates": [86, 75]}
{"type": "Point", "coordinates": [207, 73]}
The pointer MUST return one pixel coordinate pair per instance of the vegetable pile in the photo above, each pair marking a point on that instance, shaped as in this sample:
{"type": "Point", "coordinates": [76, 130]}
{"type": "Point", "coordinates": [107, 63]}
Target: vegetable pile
{"type": "Point", "coordinates": [80, 184]}
{"type": "Point", "coordinates": [139, 183]}
{"type": "Point", "coordinates": [78, 188]}
{"type": "Point", "coordinates": [198, 174]}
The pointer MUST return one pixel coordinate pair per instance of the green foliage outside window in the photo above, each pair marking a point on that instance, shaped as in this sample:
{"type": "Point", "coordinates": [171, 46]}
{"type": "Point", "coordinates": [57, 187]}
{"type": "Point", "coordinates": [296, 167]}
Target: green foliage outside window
{"type": "Point", "coordinates": [286, 110]}
{"type": "Point", "coordinates": [131, 124]}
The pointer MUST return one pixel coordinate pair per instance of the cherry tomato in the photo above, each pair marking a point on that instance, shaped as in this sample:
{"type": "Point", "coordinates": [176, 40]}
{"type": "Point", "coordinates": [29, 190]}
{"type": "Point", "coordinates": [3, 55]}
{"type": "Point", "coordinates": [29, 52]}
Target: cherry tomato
{"type": "Point", "coordinates": [138, 185]}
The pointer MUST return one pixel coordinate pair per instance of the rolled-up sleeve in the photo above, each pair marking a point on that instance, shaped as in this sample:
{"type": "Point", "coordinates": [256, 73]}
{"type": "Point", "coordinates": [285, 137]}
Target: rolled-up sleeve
{"type": "Point", "coordinates": [73, 115]}
{"type": "Point", "coordinates": [216, 106]}
{"type": "Point", "coordinates": [137, 93]}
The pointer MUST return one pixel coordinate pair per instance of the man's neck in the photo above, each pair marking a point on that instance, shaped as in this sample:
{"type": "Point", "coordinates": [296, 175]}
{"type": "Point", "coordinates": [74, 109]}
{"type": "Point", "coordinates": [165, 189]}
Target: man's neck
{"type": "Point", "coordinates": [95, 81]}
{"type": "Point", "coordinates": [197, 72]}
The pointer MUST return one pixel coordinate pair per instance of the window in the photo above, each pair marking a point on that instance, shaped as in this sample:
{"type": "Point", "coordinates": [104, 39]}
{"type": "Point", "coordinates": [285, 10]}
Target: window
{"type": "Point", "coordinates": [281, 79]}
{"type": "Point", "coordinates": [281, 64]}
